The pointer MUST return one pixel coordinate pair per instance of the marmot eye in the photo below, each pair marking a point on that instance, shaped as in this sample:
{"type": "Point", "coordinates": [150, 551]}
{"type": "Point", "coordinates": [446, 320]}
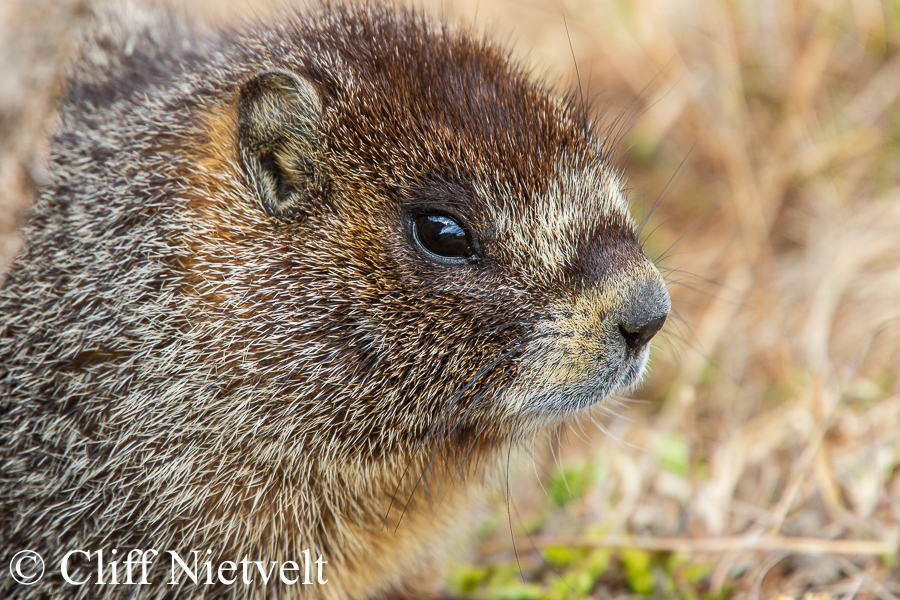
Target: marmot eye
{"type": "Point", "coordinates": [443, 236]}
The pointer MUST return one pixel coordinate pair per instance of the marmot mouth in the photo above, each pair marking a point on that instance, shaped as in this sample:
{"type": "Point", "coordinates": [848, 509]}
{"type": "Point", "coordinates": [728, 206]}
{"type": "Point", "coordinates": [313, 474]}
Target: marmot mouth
{"type": "Point", "coordinates": [559, 400]}
{"type": "Point", "coordinates": [635, 369]}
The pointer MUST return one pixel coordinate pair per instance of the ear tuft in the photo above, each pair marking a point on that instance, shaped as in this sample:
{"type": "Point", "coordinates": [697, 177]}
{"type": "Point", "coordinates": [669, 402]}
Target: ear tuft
{"type": "Point", "coordinates": [278, 134]}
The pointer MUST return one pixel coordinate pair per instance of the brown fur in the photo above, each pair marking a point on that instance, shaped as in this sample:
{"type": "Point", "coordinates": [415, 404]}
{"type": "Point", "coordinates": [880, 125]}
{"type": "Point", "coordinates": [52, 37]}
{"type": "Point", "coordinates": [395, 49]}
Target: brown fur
{"type": "Point", "coordinates": [224, 334]}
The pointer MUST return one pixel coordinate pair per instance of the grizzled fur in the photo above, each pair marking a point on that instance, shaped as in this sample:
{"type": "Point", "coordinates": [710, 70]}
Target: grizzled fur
{"type": "Point", "coordinates": [223, 333]}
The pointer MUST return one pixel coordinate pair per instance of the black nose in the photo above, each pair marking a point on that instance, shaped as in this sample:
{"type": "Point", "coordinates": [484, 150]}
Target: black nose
{"type": "Point", "coordinates": [639, 333]}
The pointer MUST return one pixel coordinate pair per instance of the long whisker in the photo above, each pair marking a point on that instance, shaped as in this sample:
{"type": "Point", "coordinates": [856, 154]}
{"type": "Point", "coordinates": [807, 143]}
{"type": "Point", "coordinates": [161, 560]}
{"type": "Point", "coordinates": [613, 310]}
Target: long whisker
{"type": "Point", "coordinates": [473, 442]}
{"type": "Point", "coordinates": [447, 411]}
{"type": "Point", "coordinates": [663, 255]}
{"type": "Point", "coordinates": [446, 436]}
{"type": "Point", "coordinates": [667, 191]}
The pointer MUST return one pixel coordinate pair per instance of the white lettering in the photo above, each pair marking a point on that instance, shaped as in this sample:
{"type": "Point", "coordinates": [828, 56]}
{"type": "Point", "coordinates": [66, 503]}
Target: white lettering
{"type": "Point", "coordinates": [64, 567]}
{"type": "Point", "coordinates": [319, 562]}
{"type": "Point", "coordinates": [232, 568]}
{"type": "Point", "coordinates": [183, 566]}
{"type": "Point", "coordinates": [288, 565]}
{"type": "Point", "coordinates": [259, 565]}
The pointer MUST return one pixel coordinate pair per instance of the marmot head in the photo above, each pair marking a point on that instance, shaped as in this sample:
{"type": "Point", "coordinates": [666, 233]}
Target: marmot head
{"type": "Point", "coordinates": [405, 237]}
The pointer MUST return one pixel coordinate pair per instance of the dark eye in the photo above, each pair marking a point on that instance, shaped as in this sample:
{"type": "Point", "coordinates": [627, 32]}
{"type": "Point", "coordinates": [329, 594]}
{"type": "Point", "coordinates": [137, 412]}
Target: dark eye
{"type": "Point", "coordinates": [443, 236]}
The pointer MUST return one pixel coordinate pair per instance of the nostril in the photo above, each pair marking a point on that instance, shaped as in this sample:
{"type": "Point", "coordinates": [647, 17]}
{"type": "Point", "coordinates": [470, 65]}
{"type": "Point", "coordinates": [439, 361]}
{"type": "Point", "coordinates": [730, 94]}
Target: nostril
{"type": "Point", "coordinates": [636, 335]}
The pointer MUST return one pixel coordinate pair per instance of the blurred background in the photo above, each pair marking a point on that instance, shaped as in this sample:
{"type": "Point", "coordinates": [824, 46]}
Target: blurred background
{"type": "Point", "coordinates": [761, 140]}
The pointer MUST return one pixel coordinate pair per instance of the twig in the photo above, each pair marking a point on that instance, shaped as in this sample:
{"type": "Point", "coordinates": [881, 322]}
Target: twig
{"type": "Point", "coordinates": [718, 544]}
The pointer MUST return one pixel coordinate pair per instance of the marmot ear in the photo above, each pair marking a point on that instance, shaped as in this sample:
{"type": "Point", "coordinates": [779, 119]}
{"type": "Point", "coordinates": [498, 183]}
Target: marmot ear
{"type": "Point", "coordinates": [278, 134]}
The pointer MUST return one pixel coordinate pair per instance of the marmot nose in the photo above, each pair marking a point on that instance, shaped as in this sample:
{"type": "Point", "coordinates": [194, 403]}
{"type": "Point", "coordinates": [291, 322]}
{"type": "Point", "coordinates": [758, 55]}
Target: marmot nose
{"type": "Point", "coordinates": [637, 334]}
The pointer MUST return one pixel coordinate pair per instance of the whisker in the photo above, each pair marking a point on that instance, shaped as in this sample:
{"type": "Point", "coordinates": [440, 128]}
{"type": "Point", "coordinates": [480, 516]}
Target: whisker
{"type": "Point", "coordinates": [584, 112]}
{"type": "Point", "coordinates": [614, 137]}
{"type": "Point", "coordinates": [667, 190]}
{"type": "Point", "coordinates": [664, 254]}
{"type": "Point", "coordinates": [440, 446]}
{"type": "Point", "coordinates": [519, 344]}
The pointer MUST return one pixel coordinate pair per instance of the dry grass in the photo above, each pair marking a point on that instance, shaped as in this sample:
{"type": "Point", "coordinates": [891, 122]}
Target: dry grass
{"type": "Point", "coordinates": [764, 453]}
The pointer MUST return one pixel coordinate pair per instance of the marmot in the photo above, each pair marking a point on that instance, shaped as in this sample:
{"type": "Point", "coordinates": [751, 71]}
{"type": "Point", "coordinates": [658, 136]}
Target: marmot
{"type": "Point", "coordinates": [297, 288]}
